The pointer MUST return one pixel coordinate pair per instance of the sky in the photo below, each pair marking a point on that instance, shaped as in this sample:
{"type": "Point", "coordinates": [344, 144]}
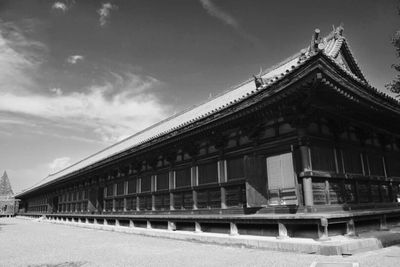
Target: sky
{"type": "Point", "coordinates": [77, 76]}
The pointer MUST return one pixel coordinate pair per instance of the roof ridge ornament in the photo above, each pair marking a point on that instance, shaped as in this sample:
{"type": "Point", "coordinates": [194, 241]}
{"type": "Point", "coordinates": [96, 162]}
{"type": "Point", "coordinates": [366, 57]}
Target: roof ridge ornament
{"type": "Point", "coordinates": [317, 43]}
{"type": "Point", "coordinates": [339, 30]}
{"type": "Point", "coordinates": [258, 80]}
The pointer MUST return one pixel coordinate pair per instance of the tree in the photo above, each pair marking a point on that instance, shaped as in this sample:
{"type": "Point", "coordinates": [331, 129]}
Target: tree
{"type": "Point", "coordinates": [394, 86]}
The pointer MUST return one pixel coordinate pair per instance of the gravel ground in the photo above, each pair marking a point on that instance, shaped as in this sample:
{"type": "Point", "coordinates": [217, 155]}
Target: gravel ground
{"type": "Point", "coordinates": [30, 243]}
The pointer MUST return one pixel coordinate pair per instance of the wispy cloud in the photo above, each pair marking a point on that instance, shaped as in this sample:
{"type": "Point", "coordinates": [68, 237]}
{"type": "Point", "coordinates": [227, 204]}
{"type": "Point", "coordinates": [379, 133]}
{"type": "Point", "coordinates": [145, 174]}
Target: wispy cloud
{"type": "Point", "coordinates": [19, 57]}
{"type": "Point", "coordinates": [111, 119]}
{"type": "Point", "coordinates": [59, 6]}
{"type": "Point", "coordinates": [74, 59]}
{"type": "Point", "coordinates": [59, 164]}
{"type": "Point", "coordinates": [105, 12]}
{"type": "Point", "coordinates": [215, 11]}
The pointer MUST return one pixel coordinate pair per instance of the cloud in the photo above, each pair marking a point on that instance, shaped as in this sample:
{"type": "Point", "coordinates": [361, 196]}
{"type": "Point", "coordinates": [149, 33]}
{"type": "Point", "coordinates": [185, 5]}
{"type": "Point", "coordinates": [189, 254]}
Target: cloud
{"type": "Point", "coordinates": [111, 118]}
{"type": "Point", "coordinates": [214, 11]}
{"type": "Point", "coordinates": [75, 58]}
{"type": "Point", "coordinates": [105, 12]}
{"type": "Point", "coordinates": [108, 110]}
{"type": "Point", "coordinates": [59, 163]}
{"type": "Point", "coordinates": [60, 6]}
{"type": "Point", "coordinates": [19, 57]}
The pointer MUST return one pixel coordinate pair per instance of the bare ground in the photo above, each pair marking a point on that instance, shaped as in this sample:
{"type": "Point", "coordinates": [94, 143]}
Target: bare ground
{"type": "Point", "coordinates": [30, 243]}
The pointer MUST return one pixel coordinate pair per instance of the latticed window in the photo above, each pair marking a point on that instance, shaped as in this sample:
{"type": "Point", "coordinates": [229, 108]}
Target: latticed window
{"type": "Point", "coordinates": [208, 173]}
{"type": "Point", "coordinates": [161, 202]}
{"type": "Point", "coordinates": [131, 203]}
{"type": "Point", "coordinates": [209, 198]}
{"type": "Point", "coordinates": [119, 204]}
{"type": "Point", "coordinates": [84, 206]}
{"type": "Point", "coordinates": [120, 188]}
{"type": "Point", "coordinates": [132, 186]}
{"type": "Point", "coordinates": [146, 184]}
{"type": "Point", "coordinates": [163, 181]}
{"type": "Point", "coordinates": [109, 205]}
{"type": "Point", "coordinates": [376, 164]}
{"type": "Point", "coordinates": [110, 190]}
{"type": "Point", "coordinates": [182, 178]}
{"type": "Point", "coordinates": [352, 161]}
{"type": "Point", "coordinates": [323, 158]}
{"type": "Point", "coordinates": [145, 202]}
{"type": "Point", "coordinates": [183, 200]}
{"type": "Point", "coordinates": [235, 168]}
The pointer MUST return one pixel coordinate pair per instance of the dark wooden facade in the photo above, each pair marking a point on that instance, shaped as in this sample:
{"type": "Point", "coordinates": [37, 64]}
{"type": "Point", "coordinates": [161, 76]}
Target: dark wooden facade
{"type": "Point", "coordinates": [315, 139]}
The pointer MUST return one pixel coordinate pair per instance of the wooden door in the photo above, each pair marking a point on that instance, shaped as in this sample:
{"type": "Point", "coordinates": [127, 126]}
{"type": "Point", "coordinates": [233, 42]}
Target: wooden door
{"type": "Point", "coordinates": [282, 189]}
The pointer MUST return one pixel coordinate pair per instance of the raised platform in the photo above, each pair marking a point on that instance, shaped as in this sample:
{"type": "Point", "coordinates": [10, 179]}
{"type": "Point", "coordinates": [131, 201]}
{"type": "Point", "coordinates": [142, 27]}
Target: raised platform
{"type": "Point", "coordinates": [338, 245]}
{"type": "Point", "coordinates": [325, 227]}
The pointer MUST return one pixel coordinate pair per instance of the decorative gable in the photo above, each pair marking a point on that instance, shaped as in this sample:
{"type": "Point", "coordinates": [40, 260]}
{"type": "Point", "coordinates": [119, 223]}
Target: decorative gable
{"type": "Point", "coordinates": [346, 60]}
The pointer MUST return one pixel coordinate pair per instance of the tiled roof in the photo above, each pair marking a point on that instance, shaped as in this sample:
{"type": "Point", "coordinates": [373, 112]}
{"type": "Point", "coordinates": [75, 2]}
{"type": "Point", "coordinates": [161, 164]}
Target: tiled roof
{"type": "Point", "coordinates": [330, 46]}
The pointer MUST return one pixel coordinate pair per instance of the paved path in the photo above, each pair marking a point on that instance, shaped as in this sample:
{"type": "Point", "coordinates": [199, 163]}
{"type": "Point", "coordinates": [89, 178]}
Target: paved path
{"type": "Point", "coordinates": [30, 243]}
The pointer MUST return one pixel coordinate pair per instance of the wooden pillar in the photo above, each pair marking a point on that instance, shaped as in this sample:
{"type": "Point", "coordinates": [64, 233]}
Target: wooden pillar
{"type": "Point", "coordinates": [323, 230]}
{"type": "Point", "coordinates": [125, 204]}
{"type": "Point", "coordinates": [306, 166]}
{"type": "Point", "coordinates": [153, 202]}
{"type": "Point", "coordinates": [194, 182]}
{"type": "Point", "coordinates": [114, 194]}
{"type": "Point", "coordinates": [125, 193]}
{"type": "Point", "coordinates": [153, 189]}
{"type": "Point", "coordinates": [223, 198]}
{"type": "Point", "coordinates": [233, 229]}
{"type": "Point", "coordinates": [383, 223]}
{"type": "Point", "coordinates": [171, 226]}
{"type": "Point", "coordinates": [171, 187]}
{"type": "Point", "coordinates": [222, 179]}
{"type": "Point", "coordinates": [197, 227]}
{"type": "Point", "coordinates": [138, 190]}
{"type": "Point", "coordinates": [282, 231]}
{"type": "Point", "coordinates": [137, 203]}
{"type": "Point", "coordinates": [171, 201]}
{"type": "Point", "coordinates": [350, 228]}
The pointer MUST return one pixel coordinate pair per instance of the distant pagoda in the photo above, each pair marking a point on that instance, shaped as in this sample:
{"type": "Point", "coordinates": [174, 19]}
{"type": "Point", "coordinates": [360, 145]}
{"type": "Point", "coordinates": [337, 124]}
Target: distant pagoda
{"type": "Point", "coordinates": [5, 186]}
{"type": "Point", "coordinates": [8, 205]}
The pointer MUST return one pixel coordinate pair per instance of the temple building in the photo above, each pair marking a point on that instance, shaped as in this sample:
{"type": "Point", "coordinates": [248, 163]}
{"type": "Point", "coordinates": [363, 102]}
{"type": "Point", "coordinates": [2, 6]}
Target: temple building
{"type": "Point", "coordinates": [307, 148]}
{"type": "Point", "coordinates": [8, 205]}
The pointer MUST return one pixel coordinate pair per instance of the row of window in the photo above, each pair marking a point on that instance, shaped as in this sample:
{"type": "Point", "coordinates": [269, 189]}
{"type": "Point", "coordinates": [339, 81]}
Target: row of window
{"type": "Point", "coordinates": [37, 201]}
{"type": "Point", "coordinates": [73, 196]}
{"type": "Point", "coordinates": [209, 173]}
{"type": "Point", "coordinates": [42, 208]}
{"type": "Point", "coordinates": [234, 196]}
{"type": "Point", "coordinates": [352, 191]}
{"type": "Point", "coordinates": [353, 161]}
